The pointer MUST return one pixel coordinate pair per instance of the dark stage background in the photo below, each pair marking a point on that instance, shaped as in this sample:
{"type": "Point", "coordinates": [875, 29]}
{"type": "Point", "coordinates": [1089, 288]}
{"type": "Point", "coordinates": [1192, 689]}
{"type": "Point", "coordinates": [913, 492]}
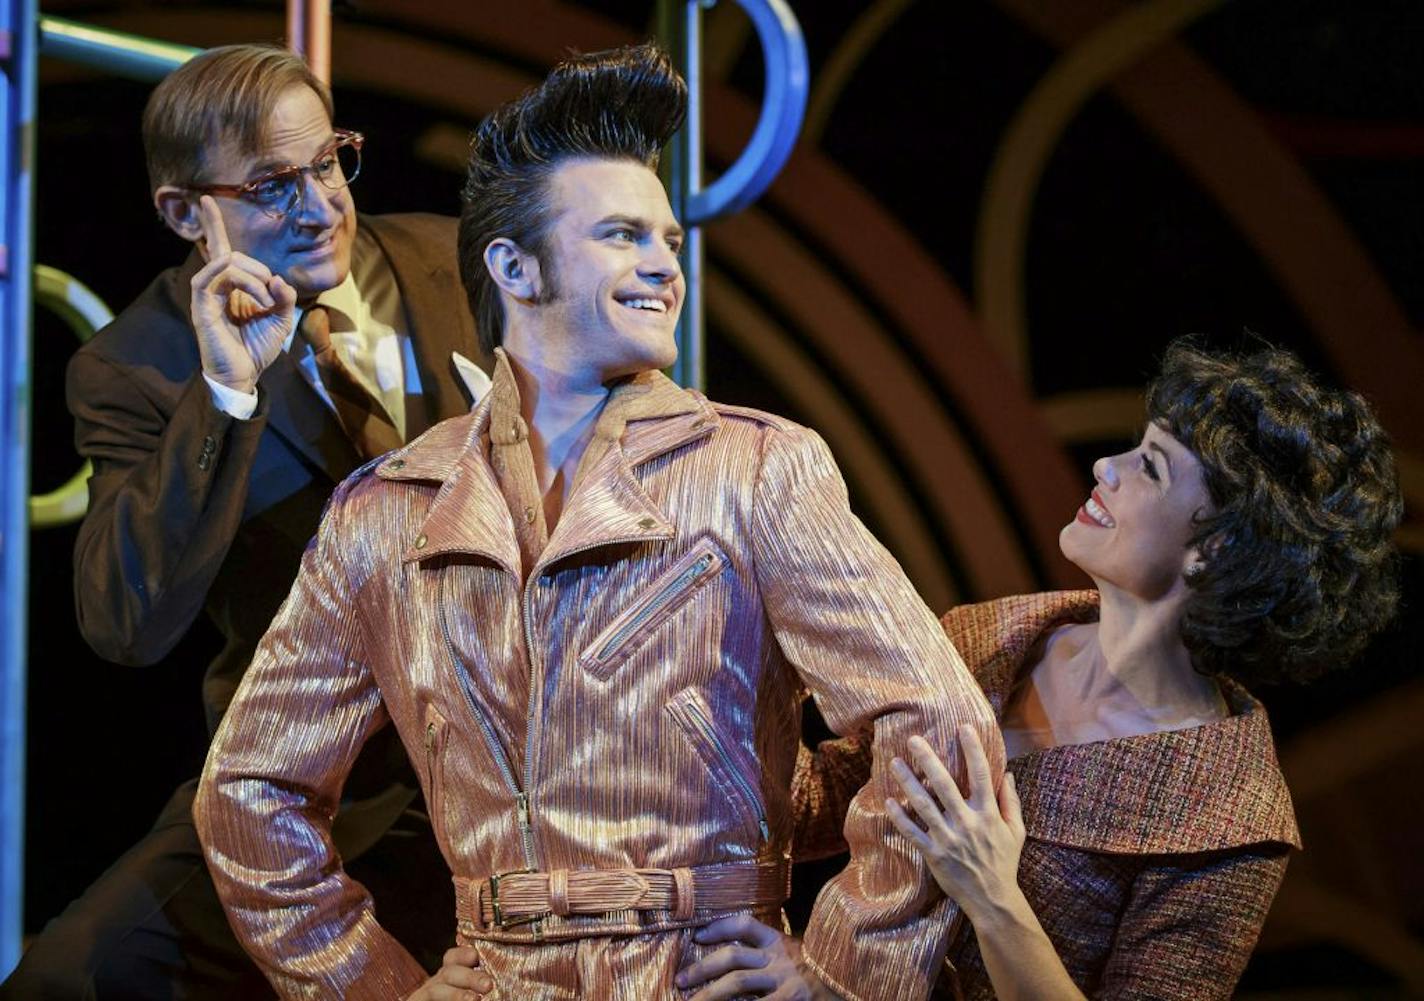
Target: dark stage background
{"type": "Point", "coordinates": [999, 214]}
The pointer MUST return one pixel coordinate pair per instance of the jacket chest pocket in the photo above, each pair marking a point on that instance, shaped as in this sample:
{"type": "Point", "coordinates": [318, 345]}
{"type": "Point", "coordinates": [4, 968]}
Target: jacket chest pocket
{"type": "Point", "coordinates": [626, 633]}
{"type": "Point", "coordinates": [731, 768]}
{"type": "Point", "coordinates": [436, 734]}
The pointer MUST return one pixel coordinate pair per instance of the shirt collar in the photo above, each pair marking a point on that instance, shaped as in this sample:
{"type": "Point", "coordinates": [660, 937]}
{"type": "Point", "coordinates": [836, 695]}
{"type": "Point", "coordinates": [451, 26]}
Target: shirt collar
{"type": "Point", "coordinates": [344, 303]}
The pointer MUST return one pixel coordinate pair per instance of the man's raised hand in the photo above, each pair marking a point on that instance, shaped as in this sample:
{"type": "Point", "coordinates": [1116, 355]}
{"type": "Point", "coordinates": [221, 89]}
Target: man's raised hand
{"type": "Point", "coordinates": [242, 312]}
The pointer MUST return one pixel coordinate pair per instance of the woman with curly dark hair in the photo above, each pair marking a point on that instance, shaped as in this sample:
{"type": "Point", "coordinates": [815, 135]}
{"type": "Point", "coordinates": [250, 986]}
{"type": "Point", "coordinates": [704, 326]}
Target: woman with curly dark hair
{"type": "Point", "coordinates": [1143, 829]}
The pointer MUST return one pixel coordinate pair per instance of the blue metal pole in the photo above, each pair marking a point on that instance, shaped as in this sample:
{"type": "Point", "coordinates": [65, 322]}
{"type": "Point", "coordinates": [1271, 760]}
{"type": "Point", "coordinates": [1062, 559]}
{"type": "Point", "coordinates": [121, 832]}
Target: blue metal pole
{"type": "Point", "coordinates": [690, 369]}
{"type": "Point", "coordinates": [17, 233]}
{"type": "Point", "coordinates": [23, 33]}
{"type": "Point", "coordinates": [783, 109]}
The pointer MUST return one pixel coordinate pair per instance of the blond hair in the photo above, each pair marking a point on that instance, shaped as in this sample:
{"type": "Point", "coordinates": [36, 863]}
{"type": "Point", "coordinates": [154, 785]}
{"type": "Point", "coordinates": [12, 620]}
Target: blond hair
{"type": "Point", "coordinates": [225, 93]}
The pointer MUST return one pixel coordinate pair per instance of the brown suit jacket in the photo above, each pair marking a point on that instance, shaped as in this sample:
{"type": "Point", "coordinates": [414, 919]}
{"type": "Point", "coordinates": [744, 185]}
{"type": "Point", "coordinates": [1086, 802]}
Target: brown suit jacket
{"type": "Point", "coordinates": [192, 509]}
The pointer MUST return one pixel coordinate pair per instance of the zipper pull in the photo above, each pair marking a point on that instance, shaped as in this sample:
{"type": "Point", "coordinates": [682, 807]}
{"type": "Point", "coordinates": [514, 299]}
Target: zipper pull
{"type": "Point", "coordinates": [429, 737]}
{"type": "Point", "coordinates": [521, 809]}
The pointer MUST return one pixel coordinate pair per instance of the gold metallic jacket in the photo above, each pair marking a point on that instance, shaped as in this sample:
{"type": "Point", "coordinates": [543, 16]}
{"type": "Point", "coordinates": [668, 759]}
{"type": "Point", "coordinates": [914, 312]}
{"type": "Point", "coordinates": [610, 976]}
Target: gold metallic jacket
{"type": "Point", "coordinates": [631, 699]}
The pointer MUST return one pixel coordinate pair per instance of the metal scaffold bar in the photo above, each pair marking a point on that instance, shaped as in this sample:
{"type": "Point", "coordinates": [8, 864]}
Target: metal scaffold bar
{"type": "Point", "coordinates": [115, 51]}
{"type": "Point", "coordinates": [309, 34]}
{"type": "Point", "coordinates": [783, 109]}
{"type": "Point", "coordinates": [17, 110]}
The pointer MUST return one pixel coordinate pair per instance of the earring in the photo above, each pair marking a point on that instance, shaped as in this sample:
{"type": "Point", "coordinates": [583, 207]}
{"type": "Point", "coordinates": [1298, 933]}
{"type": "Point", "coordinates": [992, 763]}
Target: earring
{"type": "Point", "coordinates": [1193, 571]}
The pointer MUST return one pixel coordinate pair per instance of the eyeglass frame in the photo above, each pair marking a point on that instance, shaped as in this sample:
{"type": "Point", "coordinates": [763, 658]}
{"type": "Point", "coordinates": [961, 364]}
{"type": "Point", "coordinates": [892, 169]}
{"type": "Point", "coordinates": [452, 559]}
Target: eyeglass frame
{"type": "Point", "coordinates": [342, 137]}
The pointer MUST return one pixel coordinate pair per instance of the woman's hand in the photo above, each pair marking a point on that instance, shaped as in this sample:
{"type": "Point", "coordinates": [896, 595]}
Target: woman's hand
{"type": "Point", "coordinates": [756, 960]}
{"type": "Point", "coordinates": [459, 979]}
{"type": "Point", "coordinates": [972, 846]}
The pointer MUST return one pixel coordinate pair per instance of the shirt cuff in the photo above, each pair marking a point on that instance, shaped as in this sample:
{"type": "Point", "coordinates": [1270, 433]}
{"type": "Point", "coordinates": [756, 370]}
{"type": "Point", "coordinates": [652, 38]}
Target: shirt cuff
{"type": "Point", "coordinates": [230, 401]}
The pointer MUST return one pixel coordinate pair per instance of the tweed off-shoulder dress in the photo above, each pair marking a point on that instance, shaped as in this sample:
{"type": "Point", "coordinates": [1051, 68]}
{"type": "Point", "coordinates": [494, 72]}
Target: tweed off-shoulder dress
{"type": "Point", "coordinates": [1151, 861]}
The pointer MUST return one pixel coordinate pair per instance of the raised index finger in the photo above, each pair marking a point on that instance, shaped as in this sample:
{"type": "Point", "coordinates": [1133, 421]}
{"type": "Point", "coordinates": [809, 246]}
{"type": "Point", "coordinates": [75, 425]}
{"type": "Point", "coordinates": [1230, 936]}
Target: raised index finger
{"type": "Point", "coordinates": [214, 232]}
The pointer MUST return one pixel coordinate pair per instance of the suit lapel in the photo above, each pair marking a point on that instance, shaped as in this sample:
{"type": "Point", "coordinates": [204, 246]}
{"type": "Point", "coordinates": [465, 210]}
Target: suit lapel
{"type": "Point", "coordinates": [609, 507]}
{"type": "Point", "coordinates": [436, 318]}
{"type": "Point", "coordinates": [297, 414]}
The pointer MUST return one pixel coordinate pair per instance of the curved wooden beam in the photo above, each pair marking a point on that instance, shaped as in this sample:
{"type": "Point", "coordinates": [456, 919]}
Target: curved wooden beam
{"type": "Point", "coordinates": [1028, 144]}
{"type": "Point", "coordinates": [844, 60]}
{"type": "Point", "coordinates": [901, 526]}
{"type": "Point", "coordinates": [1277, 207]}
{"type": "Point", "coordinates": [895, 400]}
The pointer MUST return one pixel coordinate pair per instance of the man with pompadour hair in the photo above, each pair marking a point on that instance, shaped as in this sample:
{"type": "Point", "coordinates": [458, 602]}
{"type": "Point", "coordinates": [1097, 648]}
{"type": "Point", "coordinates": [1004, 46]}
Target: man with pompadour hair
{"type": "Point", "coordinates": [589, 608]}
{"type": "Point", "coordinates": [220, 410]}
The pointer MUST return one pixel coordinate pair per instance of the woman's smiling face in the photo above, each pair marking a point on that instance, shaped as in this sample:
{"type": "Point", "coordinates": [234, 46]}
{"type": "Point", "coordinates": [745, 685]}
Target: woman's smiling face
{"type": "Point", "coordinates": [1133, 532]}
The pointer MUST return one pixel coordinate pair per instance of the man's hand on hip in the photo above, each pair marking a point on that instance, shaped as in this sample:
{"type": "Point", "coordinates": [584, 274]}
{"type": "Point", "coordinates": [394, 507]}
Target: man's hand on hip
{"type": "Point", "coordinates": [459, 979]}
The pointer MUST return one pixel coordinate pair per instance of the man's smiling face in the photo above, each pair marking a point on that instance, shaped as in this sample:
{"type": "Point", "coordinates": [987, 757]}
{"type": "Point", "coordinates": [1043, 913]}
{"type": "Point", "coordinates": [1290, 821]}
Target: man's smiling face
{"type": "Point", "coordinates": [612, 284]}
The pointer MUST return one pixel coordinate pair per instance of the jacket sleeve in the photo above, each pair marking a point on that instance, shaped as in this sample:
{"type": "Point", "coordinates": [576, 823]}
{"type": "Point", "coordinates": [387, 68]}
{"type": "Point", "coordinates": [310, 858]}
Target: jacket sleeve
{"type": "Point", "coordinates": [1189, 926]}
{"type": "Point", "coordinates": [876, 659]}
{"type": "Point", "coordinates": [272, 785]}
{"type": "Point", "coordinates": [165, 500]}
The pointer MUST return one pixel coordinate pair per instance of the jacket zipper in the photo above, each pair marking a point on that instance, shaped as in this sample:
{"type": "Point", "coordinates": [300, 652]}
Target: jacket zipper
{"type": "Point", "coordinates": [664, 597]}
{"type": "Point", "coordinates": [496, 749]}
{"type": "Point", "coordinates": [436, 793]}
{"type": "Point", "coordinates": [526, 829]}
{"type": "Point", "coordinates": [521, 797]}
{"type": "Point", "coordinates": [705, 725]}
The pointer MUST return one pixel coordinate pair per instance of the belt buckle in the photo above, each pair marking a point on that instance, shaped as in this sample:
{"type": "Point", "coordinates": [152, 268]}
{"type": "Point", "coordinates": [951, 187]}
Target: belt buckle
{"type": "Point", "coordinates": [499, 919]}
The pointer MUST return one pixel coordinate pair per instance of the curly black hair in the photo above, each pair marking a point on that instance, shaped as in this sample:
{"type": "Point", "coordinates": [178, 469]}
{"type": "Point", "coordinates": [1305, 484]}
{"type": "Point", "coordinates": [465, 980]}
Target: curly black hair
{"type": "Point", "coordinates": [1299, 569]}
{"type": "Point", "coordinates": [618, 104]}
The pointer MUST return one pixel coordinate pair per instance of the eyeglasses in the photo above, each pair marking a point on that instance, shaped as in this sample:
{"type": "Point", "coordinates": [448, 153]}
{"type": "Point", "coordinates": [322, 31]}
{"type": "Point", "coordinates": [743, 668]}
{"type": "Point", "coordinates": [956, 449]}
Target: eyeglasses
{"type": "Point", "coordinates": [277, 192]}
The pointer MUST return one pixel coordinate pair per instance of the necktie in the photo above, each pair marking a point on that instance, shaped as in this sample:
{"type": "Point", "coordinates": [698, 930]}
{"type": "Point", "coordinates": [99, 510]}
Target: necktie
{"type": "Point", "coordinates": [360, 414]}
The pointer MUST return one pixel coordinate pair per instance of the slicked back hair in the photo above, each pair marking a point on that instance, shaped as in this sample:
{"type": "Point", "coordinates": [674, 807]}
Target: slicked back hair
{"type": "Point", "coordinates": [619, 104]}
{"type": "Point", "coordinates": [225, 93]}
{"type": "Point", "coordinates": [1299, 568]}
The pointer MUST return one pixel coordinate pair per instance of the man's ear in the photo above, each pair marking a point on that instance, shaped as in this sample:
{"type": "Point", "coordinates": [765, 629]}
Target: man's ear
{"type": "Point", "coordinates": [179, 211]}
{"type": "Point", "coordinates": [513, 269]}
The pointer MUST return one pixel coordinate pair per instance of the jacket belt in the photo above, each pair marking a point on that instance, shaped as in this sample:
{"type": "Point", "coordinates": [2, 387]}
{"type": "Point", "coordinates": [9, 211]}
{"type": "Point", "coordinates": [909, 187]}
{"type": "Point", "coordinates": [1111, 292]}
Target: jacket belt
{"type": "Point", "coordinates": [515, 898]}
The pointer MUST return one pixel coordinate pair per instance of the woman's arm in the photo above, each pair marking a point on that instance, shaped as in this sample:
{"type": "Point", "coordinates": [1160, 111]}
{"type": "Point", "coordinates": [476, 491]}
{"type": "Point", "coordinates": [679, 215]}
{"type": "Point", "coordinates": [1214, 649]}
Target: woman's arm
{"type": "Point", "coordinates": [972, 846]}
{"type": "Point", "coordinates": [824, 783]}
{"type": "Point", "coordinates": [1191, 922]}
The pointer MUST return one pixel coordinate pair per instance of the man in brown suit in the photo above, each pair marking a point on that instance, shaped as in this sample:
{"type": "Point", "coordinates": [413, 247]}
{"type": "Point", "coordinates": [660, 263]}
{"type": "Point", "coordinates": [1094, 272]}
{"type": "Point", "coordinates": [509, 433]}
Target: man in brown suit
{"type": "Point", "coordinates": [214, 453]}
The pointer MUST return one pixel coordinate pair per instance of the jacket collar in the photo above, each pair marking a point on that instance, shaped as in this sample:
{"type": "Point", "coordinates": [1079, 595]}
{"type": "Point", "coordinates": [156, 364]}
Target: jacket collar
{"type": "Point", "coordinates": [645, 417]}
{"type": "Point", "coordinates": [1204, 788]}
